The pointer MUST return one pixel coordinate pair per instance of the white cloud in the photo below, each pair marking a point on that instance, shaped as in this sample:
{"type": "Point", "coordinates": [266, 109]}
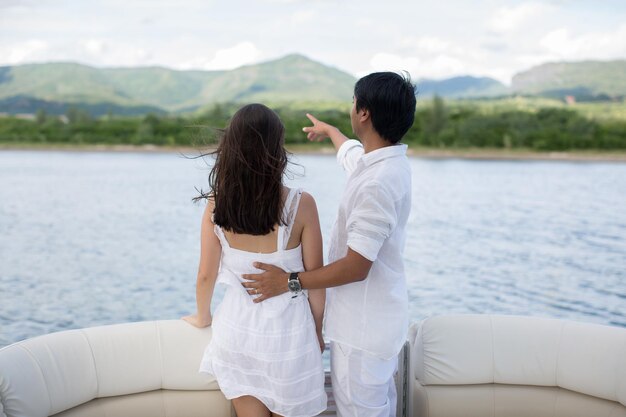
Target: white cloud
{"type": "Point", "coordinates": [434, 57]}
{"type": "Point", "coordinates": [94, 46]}
{"type": "Point", "coordinates": [508, 19]}
{"type": "Point", "coordinates": [304, 16]}
{"type": "Point", "coordinates": [390, 62]}
{"type": "Point", "coordinates": [562, 44]}
{"type": "Point", "coordinates": [432, 45]}
{"type": "Point", "coordinates": [22, 52]}
{"type": "Point", "coordinates": [556, 41]}
{"type": "Point", "coordinates": [241, 54]}
{"type": "Point", "coordinates": [108, 53]}
{"type": "Point", "coordinates": [437, 66]}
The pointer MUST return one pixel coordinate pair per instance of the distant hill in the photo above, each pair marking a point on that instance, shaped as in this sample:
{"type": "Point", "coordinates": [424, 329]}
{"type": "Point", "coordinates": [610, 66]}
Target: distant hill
{"type": "Point", "coordinates": [55, 87]}
{"type": "Point", "coordinates": [292, 78]}
{"type": "Point", "coordinates": [30, 105]}
{"type": "Point", "coordinates": [461, 87]}
{"type": "Point", "coordinates": [584, 80]}
{"type": "Point", "coordinates": [126, 90]}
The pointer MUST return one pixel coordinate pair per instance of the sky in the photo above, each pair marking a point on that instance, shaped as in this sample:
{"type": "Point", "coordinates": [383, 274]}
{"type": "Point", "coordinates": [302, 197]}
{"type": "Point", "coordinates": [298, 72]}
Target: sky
{"type": "Point", "coordinates": [426, 38]}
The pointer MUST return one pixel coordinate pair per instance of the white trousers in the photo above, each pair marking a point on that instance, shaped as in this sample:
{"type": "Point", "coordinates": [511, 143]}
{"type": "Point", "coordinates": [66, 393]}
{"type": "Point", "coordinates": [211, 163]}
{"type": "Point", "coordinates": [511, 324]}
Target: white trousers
{"type": "Point", "coordinates": [363, 385]}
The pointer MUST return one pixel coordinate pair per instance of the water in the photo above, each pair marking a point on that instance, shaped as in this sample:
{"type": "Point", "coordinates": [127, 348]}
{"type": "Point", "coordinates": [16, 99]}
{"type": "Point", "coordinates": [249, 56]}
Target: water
{"type": "Point", "coordinates": [97, 238]}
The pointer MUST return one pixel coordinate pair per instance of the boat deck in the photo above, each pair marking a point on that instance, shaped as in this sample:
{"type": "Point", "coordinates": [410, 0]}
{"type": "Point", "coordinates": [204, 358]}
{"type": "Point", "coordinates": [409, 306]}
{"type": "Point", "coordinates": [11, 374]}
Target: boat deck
{"type": "Point", "coordinates": [332, 407]}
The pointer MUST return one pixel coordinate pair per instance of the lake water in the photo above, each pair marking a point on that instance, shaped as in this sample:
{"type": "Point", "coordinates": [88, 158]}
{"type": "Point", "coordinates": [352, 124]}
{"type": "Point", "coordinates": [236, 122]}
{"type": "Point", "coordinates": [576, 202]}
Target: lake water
{"type": "Point", "coordinates": [91, 238]}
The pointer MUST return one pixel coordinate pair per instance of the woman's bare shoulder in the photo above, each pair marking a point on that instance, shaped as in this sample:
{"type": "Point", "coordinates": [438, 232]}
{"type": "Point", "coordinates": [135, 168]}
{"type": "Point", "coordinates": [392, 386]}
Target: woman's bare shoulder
{"type": "Point", "coordinates": [208, 210]}
{"type": "Point", "coordinates": [308, 206]}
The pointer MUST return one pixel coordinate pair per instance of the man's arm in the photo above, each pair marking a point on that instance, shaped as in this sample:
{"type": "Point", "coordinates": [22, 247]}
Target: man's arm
{"type": "Point", "coordinates": [348, 151]}
{"type": "Point", "coordinates": [322, 130]}
{"type": "Point", "coordinates": [351, 268]}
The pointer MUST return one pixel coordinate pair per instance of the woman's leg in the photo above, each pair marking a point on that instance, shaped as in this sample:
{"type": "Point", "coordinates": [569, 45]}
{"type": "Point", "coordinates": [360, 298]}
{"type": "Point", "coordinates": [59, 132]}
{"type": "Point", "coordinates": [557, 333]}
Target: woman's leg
{"type": "Point", "coordinates": [276, 415]}
{"type": "Point", "coordinates": [248, 406]}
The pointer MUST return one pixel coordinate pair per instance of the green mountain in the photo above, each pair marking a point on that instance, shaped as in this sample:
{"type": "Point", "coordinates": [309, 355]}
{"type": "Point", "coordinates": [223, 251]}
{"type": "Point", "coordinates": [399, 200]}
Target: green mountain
{"type": "Point", "coordinates": [584, 80]}
{"type": "Point", "coordinates": [56, 87]}
{"type": "Point", "coordinates": [30, 105]}
{"type": "Point", "coordinates": [292, 78]}
{"type": "Point", "coordinates": [461, 87]}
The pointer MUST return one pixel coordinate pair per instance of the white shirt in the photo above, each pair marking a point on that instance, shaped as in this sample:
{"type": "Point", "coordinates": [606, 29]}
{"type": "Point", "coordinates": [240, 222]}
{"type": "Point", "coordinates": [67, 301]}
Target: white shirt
{"type": "Point", "coordinates": [372, 315]}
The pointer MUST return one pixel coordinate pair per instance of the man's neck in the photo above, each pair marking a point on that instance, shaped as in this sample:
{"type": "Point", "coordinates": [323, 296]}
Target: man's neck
{"type": "Point", "coordinates": [372, 141]}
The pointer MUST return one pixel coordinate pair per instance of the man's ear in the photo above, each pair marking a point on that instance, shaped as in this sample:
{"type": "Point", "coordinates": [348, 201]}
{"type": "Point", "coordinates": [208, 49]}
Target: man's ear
{"type": "Point", "coordinates": [364, 115]}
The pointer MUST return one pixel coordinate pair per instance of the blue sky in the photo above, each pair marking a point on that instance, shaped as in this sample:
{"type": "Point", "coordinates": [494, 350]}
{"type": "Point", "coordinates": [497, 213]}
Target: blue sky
{"type": "Point", "coordinates": [428, 39]}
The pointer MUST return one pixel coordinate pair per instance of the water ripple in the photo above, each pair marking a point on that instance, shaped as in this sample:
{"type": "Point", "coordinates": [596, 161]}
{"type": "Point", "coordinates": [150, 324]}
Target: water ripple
{"type": "Point", "coordinates": [96, 238]}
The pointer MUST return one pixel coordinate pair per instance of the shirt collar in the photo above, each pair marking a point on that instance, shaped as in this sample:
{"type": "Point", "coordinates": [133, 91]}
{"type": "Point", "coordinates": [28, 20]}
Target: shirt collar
{"type": "Point", "coordinates": [391, 151]}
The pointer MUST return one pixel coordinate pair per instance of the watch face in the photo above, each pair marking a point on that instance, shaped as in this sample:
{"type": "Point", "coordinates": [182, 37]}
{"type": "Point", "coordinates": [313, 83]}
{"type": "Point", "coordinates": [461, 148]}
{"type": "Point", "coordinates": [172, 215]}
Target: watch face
{"type": "Point", "coordinates": [294, 285]}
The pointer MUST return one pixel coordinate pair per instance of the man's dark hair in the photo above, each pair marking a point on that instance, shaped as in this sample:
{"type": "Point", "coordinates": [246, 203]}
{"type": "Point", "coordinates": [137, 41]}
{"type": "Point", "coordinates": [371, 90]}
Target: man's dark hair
{"type": "Point", "coordinates": [390, 100]}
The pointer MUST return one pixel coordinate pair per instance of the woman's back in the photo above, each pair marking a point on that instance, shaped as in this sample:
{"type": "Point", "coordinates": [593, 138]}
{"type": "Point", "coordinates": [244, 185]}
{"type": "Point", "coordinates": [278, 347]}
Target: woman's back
{"type": "Point", "coordinates": [281, 247]}
{"type": "Point", "coordinates": [268, 244]}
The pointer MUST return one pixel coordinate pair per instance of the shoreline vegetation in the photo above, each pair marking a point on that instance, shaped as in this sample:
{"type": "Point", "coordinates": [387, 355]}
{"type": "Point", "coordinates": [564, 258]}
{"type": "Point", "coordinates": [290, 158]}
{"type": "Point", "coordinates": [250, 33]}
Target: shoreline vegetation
{"type": "Point", "coordinates": [509, 128]}
{"type": "Point", "coordinates": [494, 154]}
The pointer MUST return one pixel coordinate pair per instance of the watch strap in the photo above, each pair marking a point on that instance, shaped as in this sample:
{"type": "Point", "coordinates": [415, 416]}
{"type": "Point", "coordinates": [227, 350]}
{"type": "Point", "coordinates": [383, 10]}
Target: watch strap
{"type": "Point", "coordinates": [294, 277]}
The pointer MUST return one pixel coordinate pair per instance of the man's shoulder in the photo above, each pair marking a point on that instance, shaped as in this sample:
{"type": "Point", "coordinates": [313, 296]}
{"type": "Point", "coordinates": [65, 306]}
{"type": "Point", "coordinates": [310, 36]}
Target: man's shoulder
{"type": "Point", "coordinates": [394, 174]}
{"type": "Point", "coordinates": [392, 187]}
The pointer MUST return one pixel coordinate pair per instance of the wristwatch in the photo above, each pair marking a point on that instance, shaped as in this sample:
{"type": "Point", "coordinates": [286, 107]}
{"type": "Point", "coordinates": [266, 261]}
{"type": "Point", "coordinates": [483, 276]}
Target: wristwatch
{"type": "Point", "coordinates": [294, 284]}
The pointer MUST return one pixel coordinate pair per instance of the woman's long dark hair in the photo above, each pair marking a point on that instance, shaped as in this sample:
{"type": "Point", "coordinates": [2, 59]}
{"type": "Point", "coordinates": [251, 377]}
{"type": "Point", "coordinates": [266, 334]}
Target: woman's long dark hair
{"type": "Point", "coordinates": [246, 180]}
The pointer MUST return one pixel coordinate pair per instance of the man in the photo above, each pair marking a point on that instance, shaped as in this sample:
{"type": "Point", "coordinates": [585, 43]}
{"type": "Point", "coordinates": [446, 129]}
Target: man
{"type": "Point", "coordinates": [367, 306]}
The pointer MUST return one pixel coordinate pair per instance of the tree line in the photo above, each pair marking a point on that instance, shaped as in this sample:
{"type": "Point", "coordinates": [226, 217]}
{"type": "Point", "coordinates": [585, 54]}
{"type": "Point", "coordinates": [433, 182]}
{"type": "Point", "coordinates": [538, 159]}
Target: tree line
{"type": "Point", "coordinates": [436, 125]}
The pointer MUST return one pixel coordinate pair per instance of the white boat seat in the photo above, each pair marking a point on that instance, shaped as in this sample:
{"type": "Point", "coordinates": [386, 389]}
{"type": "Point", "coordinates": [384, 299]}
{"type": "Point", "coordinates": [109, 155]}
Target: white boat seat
{"type": "Point", "coordinates": [473, 349]}
{"type": "Point", "coordinates": [463, 362]}
{"type": "Point", "coordinates": [500, 400]}
{"type": "Point", "coordinates": [48, 374]}
{"type": "Point", "coordinates": [160, 403]}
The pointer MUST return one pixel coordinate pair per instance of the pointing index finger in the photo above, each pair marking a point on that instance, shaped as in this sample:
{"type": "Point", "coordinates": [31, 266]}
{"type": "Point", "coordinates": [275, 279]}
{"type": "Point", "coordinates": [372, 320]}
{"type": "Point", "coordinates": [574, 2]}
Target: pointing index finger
{"type": "Point", "coordinates": [311, 118]}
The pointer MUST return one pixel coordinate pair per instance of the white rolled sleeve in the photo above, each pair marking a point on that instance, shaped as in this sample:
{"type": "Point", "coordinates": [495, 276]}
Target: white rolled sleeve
{"type": "Point", "coordinates": [372, 220]}
{"type": "Point", "coordinates": [349, 153]}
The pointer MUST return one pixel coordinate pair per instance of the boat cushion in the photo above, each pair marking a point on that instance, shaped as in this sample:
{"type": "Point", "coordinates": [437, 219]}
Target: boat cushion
{"type": "Point", "coordinates": [160, 403]}
{"type": "Point", "coordinates": [499, 400]}
{"type": "Point", "coordinates": [484, 349]}
{"type": "Point", "coordinates": [51, 373]}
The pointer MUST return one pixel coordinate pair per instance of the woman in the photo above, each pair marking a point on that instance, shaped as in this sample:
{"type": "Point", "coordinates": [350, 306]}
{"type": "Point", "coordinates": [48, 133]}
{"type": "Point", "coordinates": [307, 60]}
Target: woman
{"type": "Point", "coordinates": [265, 356]}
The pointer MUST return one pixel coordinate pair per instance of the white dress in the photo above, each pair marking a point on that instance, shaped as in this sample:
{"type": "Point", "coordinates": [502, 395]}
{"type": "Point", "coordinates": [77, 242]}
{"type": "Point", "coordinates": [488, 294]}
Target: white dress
{"type": "Point", "coordinates": [268, 350]}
